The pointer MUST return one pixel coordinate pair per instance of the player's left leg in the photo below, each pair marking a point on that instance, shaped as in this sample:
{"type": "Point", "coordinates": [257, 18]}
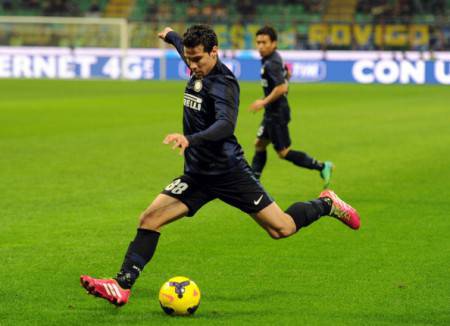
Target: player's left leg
{"type": "Point", "coordinates": [182, 197]}
{"type": "Point", "coordinates": [163, 210]}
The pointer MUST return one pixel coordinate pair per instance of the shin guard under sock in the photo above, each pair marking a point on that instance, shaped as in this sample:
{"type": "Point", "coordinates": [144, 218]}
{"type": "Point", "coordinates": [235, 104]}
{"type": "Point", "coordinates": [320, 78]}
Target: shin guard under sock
{"type": "Point", "coordinates": [139, 253]}
{"type": "Point", "coordinates": [305, 213]}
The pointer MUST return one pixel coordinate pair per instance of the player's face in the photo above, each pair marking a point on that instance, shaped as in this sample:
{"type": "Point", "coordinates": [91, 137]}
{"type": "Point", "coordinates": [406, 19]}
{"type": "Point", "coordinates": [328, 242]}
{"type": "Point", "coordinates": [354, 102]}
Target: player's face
{"type": "Point", "coordinates": [264, 45]}
{"type": "Point", "coordinates": [200, 62]}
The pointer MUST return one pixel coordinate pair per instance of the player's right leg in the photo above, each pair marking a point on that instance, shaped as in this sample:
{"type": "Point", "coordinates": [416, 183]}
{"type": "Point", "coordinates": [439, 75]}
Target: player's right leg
{"type": "Point", "coordinates": [163, 210]}
{"type": "Point", "coordinates": [281, 224]}
{"type": "Point", "coordinates": [276, 222]}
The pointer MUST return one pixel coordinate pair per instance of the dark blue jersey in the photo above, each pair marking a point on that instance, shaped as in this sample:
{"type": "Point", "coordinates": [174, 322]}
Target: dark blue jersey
{"type": "Point", "coordinates": [209, 118]}
{"type": "Point", "coordinates": [273, 74]}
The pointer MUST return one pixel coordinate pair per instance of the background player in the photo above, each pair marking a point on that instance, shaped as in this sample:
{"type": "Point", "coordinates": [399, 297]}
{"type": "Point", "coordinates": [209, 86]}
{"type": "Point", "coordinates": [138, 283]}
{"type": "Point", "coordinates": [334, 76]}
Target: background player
{"type": "Point", "coordinates": [214, 168]}
{"type": "Point", "coordinates": [274, 127]}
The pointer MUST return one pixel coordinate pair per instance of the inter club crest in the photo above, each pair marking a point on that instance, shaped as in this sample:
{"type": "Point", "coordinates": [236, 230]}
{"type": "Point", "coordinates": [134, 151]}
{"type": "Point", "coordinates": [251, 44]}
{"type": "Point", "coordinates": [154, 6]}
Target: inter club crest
{"type": "Point", "coordinates": [198, 85]}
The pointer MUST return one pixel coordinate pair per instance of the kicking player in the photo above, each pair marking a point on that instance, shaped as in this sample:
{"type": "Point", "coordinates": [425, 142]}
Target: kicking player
{"type": "Point", "coordinates": [214, 168]}
{"type": "Point", "coordinates": [274, 127]}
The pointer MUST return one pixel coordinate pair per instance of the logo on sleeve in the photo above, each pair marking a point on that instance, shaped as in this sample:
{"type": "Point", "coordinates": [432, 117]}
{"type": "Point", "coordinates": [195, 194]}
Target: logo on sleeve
{"type": "Point", "coordinates": [193, 102]}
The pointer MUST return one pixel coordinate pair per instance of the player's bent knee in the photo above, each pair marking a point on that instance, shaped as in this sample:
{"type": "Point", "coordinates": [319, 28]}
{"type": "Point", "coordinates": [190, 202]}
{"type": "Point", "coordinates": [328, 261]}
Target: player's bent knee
{"type": "Point", "coordinates": [276, 235]}
{"type": "Point", "coordinates": [286, 232]}
{"type": "Point", "coordinates": [260, 148]}
{"type": "Point", "coordinates": [282, 153]}
{"type": "Point", "coordinates": [281, 233]}
{"type": "Point", "coordinates": [260, 145]}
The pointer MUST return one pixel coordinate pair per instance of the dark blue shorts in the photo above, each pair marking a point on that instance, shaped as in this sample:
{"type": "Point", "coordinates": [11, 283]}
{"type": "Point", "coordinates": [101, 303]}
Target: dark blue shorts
{"type": "Point", "coordinates": [276, 133]}
{"type": "Point", "coordinates": [238, 188]}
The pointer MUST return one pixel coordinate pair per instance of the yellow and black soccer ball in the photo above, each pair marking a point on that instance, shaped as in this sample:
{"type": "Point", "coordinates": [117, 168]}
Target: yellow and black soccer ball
{"type": "Point", "coordinates": [179, 296]}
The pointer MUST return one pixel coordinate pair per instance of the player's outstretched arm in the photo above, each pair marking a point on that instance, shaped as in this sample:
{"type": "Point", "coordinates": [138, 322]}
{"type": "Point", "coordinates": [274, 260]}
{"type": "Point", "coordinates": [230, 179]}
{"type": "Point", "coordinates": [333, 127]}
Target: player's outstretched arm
{"type": "Point", "coordinates": [168, 35]}
{"type": "Point", "coordinates": [162, 35]}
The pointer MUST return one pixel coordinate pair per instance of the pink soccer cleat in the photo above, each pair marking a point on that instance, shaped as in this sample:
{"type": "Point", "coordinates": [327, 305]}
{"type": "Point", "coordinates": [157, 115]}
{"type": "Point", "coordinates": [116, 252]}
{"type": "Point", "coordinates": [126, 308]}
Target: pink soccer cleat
{"type": "Point", "coordinates": [107, 289]}
{"type": "Point", "coordinates": [341, 210]}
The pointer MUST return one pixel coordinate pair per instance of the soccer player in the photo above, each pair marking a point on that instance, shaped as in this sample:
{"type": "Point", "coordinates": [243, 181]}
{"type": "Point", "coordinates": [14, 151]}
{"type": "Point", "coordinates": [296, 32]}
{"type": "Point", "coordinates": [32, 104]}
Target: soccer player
{"type": "Point", "coordinates": [214, 168]}
{"type": "Point", "coordinates": [274, 126]}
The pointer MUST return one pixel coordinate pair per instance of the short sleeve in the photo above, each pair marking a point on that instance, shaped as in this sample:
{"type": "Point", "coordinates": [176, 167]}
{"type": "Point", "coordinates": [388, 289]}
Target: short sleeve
{"type": "Point", "coordinates": [275, 72]}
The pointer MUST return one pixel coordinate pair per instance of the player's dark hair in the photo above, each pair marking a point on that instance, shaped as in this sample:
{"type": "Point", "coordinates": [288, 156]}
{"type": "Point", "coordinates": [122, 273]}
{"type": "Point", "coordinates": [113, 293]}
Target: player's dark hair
{"type": "Point", "coordinates": [200, 35]}
{"type": "Point", "coordinates": [269, 31]}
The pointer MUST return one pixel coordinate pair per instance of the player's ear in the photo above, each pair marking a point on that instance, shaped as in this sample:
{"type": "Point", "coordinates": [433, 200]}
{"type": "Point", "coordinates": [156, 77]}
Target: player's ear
{"type": "Point", "coordinates": [214, 52]}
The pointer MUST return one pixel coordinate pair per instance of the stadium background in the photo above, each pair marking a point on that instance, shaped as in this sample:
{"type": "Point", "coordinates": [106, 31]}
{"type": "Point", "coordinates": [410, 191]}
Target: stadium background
{"type": "Point", "coordinates": [80, 159]}
{"type": "Point", "coordinates": [404, 41]}
{"type": "Point", "coordinates": [302, 24]}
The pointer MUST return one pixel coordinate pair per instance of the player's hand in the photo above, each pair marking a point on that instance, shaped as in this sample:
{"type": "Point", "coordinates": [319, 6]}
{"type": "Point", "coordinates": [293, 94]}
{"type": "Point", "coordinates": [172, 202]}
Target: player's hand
{"type": "Point", "coordinates": [178, 141]}
{"type": "Point", "coordinates": [165, 31]}
{"type": "Point", "coordinates": [256, 106]}
{"type": "Point", "coordinates": [288, 72]}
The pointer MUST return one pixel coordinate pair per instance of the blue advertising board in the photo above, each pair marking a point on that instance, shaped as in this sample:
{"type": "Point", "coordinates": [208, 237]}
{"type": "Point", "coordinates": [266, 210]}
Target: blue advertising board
{"type": "Point", "coordinates": [306, 66]}
{"type": "Point", "coordinates": [29, 62]}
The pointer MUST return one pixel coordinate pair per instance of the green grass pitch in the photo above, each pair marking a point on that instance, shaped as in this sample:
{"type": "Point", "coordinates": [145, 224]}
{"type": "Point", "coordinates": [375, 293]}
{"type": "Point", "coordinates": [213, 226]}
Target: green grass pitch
{"type": "Point", "coordinates": [79, 161]}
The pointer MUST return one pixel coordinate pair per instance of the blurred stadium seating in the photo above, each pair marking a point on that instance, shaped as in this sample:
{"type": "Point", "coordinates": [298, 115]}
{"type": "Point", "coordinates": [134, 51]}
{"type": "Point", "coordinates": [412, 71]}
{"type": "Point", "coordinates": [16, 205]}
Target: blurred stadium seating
{"type": "Point", "coordinates": [302, 24]}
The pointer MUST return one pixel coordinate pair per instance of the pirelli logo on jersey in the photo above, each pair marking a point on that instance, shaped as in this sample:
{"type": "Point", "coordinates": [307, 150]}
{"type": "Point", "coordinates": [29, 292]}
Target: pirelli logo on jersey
{"type": "Point", "coordinates": [193, 102]}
